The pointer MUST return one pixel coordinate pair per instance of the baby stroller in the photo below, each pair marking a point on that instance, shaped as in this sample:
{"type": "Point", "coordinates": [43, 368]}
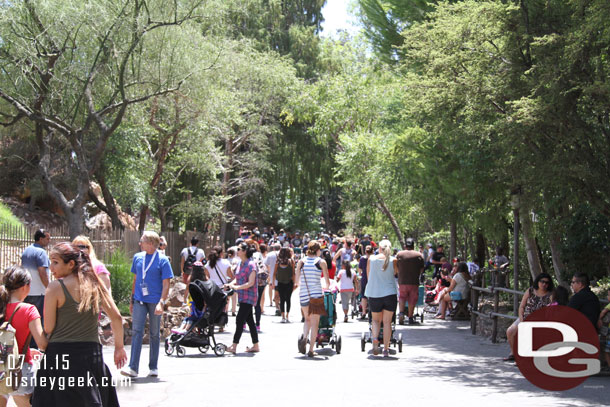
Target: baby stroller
{"type": "Point", "coordinates": [326, 327]}
{"type": "Point", "coordinates": [212, 300]}
{"type": "Point", "coordinates": [367, 337]}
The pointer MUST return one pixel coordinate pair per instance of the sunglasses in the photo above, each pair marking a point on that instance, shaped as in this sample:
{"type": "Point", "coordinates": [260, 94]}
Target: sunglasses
{"type": "Point", "coordinates": [545, 281]}
{"type": "Point", "coordinates": [83, 247]}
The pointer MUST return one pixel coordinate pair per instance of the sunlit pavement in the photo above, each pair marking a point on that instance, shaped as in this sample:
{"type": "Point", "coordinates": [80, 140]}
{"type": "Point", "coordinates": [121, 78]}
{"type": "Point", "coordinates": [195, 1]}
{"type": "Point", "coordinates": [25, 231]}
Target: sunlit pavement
{"type": "Point", "coordinates": [441, 364]}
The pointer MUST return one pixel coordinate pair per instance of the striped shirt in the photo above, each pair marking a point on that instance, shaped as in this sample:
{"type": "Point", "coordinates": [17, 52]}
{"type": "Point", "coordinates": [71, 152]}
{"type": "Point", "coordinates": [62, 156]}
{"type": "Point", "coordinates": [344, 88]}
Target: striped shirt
{"type": "Point", "coordinates": [311, 274]}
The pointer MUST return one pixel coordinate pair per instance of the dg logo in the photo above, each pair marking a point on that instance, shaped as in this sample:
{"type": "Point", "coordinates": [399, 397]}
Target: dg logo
{"type": "Point", "coordinates": [557, 348]}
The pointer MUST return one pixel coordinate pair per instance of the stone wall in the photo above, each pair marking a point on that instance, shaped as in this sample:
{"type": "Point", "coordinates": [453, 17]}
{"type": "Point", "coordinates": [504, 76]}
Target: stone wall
{"type": "Point", "coordinates": [173, 315]}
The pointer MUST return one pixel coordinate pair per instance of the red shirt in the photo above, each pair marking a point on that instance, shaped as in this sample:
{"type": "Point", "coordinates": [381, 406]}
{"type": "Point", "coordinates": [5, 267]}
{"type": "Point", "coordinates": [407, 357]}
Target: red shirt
{"type": "Point", "coordinates": [21, 322]}
{"type": "Point", "coordinates": [332, 270]}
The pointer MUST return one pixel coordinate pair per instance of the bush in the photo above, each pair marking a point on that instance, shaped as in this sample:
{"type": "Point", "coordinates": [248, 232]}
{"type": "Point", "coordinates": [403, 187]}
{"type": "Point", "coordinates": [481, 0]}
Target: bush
{"type": "Point", "coordinates": [121, 279]}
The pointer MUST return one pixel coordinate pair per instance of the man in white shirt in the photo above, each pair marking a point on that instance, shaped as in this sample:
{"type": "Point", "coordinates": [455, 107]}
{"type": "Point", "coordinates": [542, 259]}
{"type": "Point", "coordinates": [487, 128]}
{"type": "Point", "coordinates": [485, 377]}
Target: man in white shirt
{"type": "Point", "coordinates": [188, 257]}
{"type": "Point", "coordinates": [270, 261]}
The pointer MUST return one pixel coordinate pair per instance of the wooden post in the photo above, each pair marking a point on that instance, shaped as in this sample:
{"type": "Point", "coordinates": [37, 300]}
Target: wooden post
{"type": "Point", "coordinates": [474, 297]}
{"type": "Point", "coordinates": [494, 333]}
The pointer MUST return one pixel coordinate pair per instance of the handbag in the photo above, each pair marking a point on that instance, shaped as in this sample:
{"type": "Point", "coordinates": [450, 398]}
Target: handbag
{"type": "Point", "coordinates": [316, 305]}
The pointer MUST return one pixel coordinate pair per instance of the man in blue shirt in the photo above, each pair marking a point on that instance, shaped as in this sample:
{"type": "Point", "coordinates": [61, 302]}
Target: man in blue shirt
{"type": "Point", "coordinates": [36, 261]}
{"type": "Point", "coordinates": [152, 273]}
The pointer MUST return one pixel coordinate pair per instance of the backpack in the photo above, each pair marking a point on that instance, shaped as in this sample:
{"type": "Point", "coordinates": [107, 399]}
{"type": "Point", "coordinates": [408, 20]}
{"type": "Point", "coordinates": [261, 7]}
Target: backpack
{"type": "Point", "coordinates": [10, 363]}
{"type": "Point", "coordinates": [190, 260]}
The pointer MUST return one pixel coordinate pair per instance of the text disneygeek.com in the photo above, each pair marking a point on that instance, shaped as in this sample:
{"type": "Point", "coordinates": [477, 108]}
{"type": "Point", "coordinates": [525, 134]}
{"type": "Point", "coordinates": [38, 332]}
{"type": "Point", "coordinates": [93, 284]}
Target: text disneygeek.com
{"type": "Point", "coordinates": [63, 382]}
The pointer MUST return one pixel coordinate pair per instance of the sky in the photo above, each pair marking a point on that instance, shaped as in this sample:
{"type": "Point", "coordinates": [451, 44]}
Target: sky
{"type": "Point", "coordinates": [336, 16]}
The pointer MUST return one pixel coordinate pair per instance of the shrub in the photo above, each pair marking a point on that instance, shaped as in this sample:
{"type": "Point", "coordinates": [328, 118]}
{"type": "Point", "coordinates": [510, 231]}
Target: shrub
{"type": "Point", "coordinates": [121, 279]}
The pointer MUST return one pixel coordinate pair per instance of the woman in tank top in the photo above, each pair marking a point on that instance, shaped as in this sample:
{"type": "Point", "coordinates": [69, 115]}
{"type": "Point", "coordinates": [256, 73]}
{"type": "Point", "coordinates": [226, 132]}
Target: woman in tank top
{"type": "Point", "coordinates": [284, 274]}
{"type": "Point", "coordinates": [308, 274]}
{"type": "Point", "coordinates": [72, 305]}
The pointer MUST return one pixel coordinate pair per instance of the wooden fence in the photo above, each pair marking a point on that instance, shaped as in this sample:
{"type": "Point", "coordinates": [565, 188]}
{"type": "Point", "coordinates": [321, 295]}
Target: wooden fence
{"type": "Point", "coordinates": [499, 284]}
{"type": "Point", "coordinates": [14, 240]}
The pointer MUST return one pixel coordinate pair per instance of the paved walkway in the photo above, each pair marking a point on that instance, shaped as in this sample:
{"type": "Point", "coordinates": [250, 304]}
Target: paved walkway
{"type": "Point", "coordinates": [441, 364]}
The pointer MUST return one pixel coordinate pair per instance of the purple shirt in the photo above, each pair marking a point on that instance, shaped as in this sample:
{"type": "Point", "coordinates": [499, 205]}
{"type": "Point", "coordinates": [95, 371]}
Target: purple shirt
{"type": "Point", "coordinates": [249, 295]}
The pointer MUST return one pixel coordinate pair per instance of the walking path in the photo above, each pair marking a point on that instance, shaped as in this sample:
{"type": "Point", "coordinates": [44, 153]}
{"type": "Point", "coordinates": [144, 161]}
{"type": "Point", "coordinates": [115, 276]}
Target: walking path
{"type": "Point", "coordinates": [441, 364]}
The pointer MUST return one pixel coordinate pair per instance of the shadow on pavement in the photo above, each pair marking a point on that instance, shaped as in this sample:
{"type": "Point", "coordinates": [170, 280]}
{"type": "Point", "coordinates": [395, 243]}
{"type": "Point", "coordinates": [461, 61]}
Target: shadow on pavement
{"type": "Point", "coordinates": [474, 360]}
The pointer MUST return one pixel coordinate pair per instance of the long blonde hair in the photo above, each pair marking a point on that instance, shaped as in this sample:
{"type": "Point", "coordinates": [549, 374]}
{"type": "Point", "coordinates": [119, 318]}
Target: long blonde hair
{"type": "Point", "coordinates": [385, 247]}
{"type": "Point", "coordinates": [84, 240]}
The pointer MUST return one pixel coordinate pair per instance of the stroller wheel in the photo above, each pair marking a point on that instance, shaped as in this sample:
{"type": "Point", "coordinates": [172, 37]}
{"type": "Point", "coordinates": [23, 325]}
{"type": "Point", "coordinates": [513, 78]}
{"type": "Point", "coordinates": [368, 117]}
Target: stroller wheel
{"type": "Point", "coordinates": [399, 342]}
{"type": "Point", "coordinates": [180, 351]}
{"type": "Point", "coordinates": [204, 348]}
{"type": "Point", "coordinates": [338, 345]}
{"type": "Point", "coordinates": [220, 349]}
{"type": "Point", "coordinates": [421, 318]}
{"type": "Point", "coordinates": [362, 341]}
{"type": "Point", "coordinates": [169, 349]}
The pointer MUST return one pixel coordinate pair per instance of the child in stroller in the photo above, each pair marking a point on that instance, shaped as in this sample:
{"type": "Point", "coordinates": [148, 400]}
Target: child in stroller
{"type": "Point", "coordinates": [210, 301]}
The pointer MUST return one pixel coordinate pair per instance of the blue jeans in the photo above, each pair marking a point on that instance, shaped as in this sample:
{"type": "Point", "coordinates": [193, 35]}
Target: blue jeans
{"type": "Point", "coordinates": [140, 310]}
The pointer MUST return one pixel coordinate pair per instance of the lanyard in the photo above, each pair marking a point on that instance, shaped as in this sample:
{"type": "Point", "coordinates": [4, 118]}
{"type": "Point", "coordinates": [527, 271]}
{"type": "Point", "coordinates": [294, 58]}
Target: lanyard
{"type": "Point", "coordinates": [145, 269]}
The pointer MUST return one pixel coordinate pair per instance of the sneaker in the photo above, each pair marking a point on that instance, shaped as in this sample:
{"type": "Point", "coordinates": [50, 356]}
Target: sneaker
{"type": "Point", "coordinates": [287, 320]}
{"type": "Point", "coordinates": [345, 319]}
{"type": "Point", "coordinates": [401, 319]}
{"type": "Point", "coordinates": [233, 314]}
{"type": "Point", "coordinates": [386, 353]}
{"type": "Point", "coordinates": [412, 321]}
{"type": "Point", "coordinates": [258, 328]}
{"type": "Point", "coordinates": [283, 320]}
{"type": "Point", "coordinates": [129, 372]}
{"type": "Point", "coordinates": [153, 373]}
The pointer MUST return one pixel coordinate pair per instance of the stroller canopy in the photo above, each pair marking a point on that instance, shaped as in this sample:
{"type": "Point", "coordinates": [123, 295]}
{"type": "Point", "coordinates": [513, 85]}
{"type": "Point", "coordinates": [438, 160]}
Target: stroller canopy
{"type": "Point", "coordinates": [207, 293]}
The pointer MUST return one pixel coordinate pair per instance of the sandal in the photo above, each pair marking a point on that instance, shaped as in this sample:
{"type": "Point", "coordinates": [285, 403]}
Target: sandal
{"type": "Point", "coordinates": [252, 350]}
{"type": "Point", "coordinates": [312, 354]}
{"type": "Point", "coordinates": [509, 358]}
{"type": "Point", "coordinates": [230, 349]}
{"type": "Point", "coordinates": [386, 353]}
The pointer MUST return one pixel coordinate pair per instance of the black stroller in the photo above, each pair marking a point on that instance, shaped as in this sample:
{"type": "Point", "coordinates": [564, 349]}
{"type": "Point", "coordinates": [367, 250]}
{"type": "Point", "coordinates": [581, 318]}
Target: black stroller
{"type": "Point", "coordinates": [212, 300]}
{"type": "Point", "coordinates": [367, 337]}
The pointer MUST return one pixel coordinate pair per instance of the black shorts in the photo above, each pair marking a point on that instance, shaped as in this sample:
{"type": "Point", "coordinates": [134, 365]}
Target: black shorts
{"type": "Point", "coordinates": [387, 303]}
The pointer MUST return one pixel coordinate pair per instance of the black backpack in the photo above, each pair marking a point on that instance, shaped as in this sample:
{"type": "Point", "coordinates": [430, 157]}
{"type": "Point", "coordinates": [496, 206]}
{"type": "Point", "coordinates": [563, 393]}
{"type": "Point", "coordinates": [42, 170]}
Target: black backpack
{"type": "Point", "coordinates": [190, 260]}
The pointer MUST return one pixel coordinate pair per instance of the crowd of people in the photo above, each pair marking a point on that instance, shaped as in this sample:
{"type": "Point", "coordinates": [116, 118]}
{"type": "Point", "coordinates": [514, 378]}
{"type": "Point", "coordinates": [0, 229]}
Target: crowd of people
{"type": "Point", "coordinates": [59, 316]}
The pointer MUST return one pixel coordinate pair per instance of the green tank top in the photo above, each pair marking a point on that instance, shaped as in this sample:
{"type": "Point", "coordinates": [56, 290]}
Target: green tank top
{"type": "Point", "coordinates": [74, 326]}
{"type": "Point", "coordinates": [284, 273]}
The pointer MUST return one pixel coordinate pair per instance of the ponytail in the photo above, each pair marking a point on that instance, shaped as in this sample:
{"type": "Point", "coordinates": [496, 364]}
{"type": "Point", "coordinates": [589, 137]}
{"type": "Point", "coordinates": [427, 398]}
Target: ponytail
{"type": "Point", "coordinates": [214, 256]}
{"type": "Point", "coordinates": [14, 278]}
{"type": "Point", "coordinates": [348, 269]}
{"type": "Point", "coordinates": [385, 247]}
{"type": "Point", "coordinates": [5, 297]}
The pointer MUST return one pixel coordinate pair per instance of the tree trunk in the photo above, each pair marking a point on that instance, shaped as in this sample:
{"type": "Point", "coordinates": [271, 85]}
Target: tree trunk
{"type": "Point", "coordinates": [386, 211]}
{"type": "Point", "coordinates": [143, 217]}
{"type": "Point", "coordinates": [109, 202]}
{"type": "Point", "coordinates": [76, 220]}
{"type": "Point", "coordinates": [529, 239]}
{"type": "Point", "coordinates": [481, 248]}
{"type": "Point", "coordinates": [558, 266]}
{"type": "Point", "coordinates": [453, 229]}
{"type": "Point", "coordinates": [226, 179]}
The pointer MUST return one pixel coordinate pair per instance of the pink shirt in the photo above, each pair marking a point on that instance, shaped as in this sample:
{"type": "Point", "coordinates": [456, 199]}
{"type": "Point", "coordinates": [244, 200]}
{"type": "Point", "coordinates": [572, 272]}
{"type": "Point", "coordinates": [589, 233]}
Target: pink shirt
{"type": "Point", "coordinates": [100, 269]}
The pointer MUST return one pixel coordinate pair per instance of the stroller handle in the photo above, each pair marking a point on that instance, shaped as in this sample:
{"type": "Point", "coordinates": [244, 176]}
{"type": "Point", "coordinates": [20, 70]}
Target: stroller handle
{"type": "Point", "coordinates": [229, 291]}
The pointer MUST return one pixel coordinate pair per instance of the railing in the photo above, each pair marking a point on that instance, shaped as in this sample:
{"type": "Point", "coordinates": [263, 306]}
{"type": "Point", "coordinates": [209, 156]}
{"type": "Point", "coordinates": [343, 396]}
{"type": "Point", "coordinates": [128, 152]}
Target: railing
{"type": "Point", "coordinates": [495, 291]}
{"type": "Point", "coordinates": [499, 281]}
